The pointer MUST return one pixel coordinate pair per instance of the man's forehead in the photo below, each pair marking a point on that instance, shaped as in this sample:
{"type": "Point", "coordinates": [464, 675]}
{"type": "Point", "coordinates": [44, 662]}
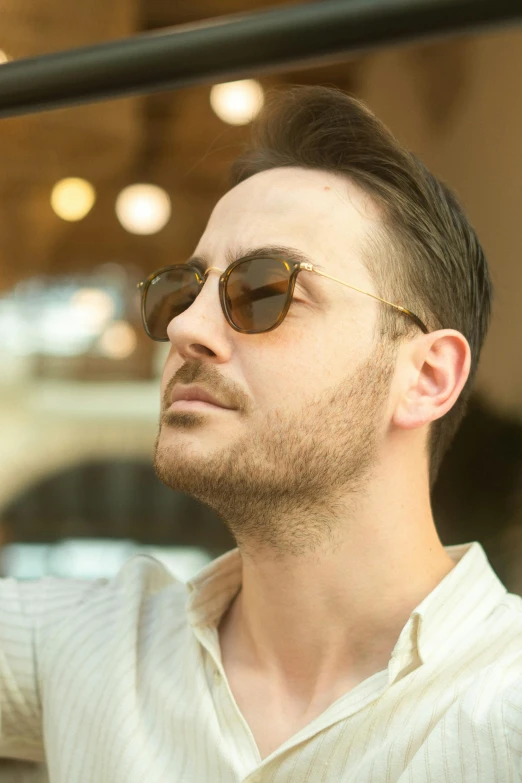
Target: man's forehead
{"type": "Point", "coordinates": [319, 190]}
{"type": "Point", "coordinates": [320, 212]}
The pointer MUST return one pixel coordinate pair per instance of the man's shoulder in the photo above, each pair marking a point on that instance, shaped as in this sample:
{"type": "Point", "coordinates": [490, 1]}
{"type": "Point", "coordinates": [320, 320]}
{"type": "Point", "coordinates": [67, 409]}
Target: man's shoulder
{"type": "Point", "coordinates": [511, 607]}
{"type": "Point", "coordinates": [502, 629]}
{"type": "Point", "coordinates": [492, 652]}
{"type": "Point", "coordinates": [143, 577]}
{"type": "Point", "coordinates": [506, 670]}
{"type": "Point", "coordinates": [143, 594]}
{"type": "Point", "coordinates": [149, 572]}
{"type": "Point", "coordinates": [141, 581]}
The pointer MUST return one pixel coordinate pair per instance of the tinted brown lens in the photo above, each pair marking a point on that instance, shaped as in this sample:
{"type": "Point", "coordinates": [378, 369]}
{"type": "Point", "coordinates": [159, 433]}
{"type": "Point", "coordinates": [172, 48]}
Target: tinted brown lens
{"type": "Point", "coordinates": [257, 292]}
{"type": "Point", "coordinates": [168, 295]}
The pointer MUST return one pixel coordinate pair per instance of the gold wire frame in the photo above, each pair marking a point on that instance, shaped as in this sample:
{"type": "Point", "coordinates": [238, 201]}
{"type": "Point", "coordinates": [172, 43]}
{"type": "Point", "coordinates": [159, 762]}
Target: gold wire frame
{"type": "Point", "coordinates": [420, 324]}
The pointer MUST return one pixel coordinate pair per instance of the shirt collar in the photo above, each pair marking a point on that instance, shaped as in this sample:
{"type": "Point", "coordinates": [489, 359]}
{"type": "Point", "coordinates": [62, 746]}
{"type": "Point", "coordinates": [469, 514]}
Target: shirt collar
{"type": "Point", "coordinates": [212, 589]}
{"type": "Point", "coordinates": [460, 602]}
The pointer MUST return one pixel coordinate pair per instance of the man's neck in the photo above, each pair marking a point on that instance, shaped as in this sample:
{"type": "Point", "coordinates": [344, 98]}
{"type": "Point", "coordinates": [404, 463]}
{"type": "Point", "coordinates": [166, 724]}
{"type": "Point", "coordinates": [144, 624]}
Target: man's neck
{"type": "Point", "coordinates": [337, 612]}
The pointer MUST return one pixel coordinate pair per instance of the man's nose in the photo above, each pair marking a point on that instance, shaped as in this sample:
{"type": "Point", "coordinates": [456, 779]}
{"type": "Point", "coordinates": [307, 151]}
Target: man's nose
{"type": "Point", "coordinates": [202, 329]}
{"type": "Point", "coordinates": [207, 302]}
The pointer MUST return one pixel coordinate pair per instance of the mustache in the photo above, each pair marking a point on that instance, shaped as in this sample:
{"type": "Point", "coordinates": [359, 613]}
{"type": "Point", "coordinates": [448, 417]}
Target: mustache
{"type": "Point", "coordinates": [198, 372]}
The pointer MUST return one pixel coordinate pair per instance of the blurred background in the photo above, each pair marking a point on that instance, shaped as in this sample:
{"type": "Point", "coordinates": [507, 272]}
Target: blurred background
{"type": "Point", "coordinates": [95, 198]}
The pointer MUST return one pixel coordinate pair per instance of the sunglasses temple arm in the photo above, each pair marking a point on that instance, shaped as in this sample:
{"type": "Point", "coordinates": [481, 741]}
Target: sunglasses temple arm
{"type": "Point", "coordinates": [378, 298]}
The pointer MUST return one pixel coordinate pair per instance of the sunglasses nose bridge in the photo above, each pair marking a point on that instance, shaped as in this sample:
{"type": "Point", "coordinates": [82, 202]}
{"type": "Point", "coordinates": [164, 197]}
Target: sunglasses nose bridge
{"type": "Point", "coordinates": [208, 269]}
{"type": "Point", "coordinates": [205, 276]}
{"type": "Point", "coordinates": [206, 290]}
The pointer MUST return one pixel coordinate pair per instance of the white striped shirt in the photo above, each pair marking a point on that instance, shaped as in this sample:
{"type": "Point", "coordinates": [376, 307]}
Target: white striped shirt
{"type": "Point", "coordinates": [121, 681]}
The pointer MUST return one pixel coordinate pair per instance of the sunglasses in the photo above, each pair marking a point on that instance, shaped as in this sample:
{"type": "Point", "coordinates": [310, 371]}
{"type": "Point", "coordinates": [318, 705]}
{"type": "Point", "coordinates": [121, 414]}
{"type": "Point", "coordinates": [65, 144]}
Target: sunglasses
{"type": "Point", "coordinates": [255, 294]}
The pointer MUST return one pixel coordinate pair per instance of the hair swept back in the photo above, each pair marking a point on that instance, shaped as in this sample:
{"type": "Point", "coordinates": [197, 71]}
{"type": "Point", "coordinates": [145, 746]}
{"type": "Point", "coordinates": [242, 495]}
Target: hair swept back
{"type": "Point", "coordinates": [426, 256]}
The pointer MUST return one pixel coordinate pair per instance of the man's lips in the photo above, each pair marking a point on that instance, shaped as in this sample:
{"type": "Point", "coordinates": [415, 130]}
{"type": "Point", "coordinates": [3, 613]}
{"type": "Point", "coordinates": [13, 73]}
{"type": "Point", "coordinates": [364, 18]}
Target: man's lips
{"type": "Point", "coordinates": [195, 398]}
{"type": "Point", "coordinates": [194, 405]}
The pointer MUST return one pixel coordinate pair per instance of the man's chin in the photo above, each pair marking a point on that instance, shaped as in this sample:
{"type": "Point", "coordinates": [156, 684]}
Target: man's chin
{"type": "Point", "coordinates": [176, 472]}
{"type": "Point", "coordinates": [187, 465]}
{"type": "Point", "coordinates": [193, 445]}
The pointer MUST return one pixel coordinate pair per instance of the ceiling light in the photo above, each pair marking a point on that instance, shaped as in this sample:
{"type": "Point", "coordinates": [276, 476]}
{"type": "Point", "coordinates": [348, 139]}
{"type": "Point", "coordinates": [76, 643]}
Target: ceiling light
{"type": "Point", "coordinates": [143, 209]}
{"type": "Point", "coordinates": [72, 198]}
{"type": "Point", "coordinates": [237, 103]}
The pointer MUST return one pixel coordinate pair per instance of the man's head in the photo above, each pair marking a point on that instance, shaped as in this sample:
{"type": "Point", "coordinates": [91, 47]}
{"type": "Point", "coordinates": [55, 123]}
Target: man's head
{"type": "Point", "coordinates": [343, 381]}
{"type": "Point", "coordinates": [423, 253]}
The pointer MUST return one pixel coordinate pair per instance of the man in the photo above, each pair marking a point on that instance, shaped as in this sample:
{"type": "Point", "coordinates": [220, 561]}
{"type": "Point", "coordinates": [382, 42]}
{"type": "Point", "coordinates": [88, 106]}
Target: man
{"type": "Point", "coordinates": [323, 340]}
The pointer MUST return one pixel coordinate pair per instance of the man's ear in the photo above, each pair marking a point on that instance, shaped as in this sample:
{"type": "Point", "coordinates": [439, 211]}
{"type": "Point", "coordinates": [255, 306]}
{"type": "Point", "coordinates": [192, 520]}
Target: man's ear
{"type": "Point", "coordinates": [434, 371]}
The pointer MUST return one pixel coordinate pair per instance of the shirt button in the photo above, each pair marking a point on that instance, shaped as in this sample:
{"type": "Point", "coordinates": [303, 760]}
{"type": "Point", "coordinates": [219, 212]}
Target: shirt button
{"type": "Point", "coordinates": [217, 676]}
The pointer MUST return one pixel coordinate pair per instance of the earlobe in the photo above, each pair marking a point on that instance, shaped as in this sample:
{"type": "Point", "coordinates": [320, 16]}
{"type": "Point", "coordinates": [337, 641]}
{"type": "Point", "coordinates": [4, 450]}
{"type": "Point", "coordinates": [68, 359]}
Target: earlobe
{"type": "Point", "coordinates": [434, 374]}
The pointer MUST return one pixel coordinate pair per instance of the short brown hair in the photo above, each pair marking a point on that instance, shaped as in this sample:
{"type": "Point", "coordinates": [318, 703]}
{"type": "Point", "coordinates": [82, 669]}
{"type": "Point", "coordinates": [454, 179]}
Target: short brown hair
{"type": "Point", "coordinates": [426, 257]}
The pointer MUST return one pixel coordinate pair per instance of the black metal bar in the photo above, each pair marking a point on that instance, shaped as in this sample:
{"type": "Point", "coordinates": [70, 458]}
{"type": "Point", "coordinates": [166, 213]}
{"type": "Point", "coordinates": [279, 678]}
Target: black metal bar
{"type": "Point", "coordinates": [235, 47]}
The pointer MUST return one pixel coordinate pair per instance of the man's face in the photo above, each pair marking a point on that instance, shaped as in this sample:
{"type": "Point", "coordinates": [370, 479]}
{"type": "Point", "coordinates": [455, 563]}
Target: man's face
{"type": "Point", "coordinates": [310, 397]}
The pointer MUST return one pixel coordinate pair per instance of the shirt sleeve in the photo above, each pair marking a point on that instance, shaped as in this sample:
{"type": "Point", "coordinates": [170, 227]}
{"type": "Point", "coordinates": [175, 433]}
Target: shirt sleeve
{"type": "Point", "coordinates": [30, 611]}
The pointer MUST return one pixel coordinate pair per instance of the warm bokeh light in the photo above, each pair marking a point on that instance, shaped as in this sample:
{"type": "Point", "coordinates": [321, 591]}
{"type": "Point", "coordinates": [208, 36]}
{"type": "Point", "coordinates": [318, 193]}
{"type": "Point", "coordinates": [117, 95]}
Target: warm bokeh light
{"type": "Point", "coordinates": [4, 58]}
{"type": "Point", "coordinates": [237, 103]}
{"type": "Point", "coordinates": [92, 307]}
{"type": "Point", "coordinates": [118, 341]}
{"type": "Point", "coordinates": [73, 198]}
{"type": "Point", "coordinates": [143, 209]}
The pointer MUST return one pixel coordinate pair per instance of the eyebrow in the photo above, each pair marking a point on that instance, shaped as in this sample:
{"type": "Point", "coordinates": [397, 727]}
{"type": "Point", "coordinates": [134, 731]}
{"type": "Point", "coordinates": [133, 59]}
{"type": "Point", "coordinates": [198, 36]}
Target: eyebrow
{"type": "Point", "coordinates": [289, 253]}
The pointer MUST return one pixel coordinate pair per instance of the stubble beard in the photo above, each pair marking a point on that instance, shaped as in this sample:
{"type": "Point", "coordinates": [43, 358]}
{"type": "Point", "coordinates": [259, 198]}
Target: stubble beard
{"type": "Point", "coordinates": [286, 486]}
